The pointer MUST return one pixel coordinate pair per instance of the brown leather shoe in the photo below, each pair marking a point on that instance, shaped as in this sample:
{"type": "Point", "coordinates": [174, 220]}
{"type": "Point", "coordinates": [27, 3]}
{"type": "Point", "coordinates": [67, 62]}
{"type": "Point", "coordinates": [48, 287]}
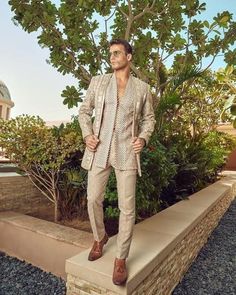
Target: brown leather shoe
{"type": "Point", "coordinates": [120, 273]}
{"type": "Point", "coordinates": [96, 251]}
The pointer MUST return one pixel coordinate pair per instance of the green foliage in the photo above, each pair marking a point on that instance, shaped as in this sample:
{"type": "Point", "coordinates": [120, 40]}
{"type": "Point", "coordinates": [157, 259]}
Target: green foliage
{"type": "Point", "coordinates": [111, 201]}
{"type": "Point", "coordinates": [76, 34]}
{"type": "Point", "coordinates": [72, 186]}
{"type": "Point", "coordinates": [218, 145]}
{"type": "Point", "coordinates": [158, 169]}
{"type": "Point", "coordinates": [227, 81]}
{"type": "Point", "coordinates": [72, 179]}
{"type": "Point", "coordinates": [198, 162]}
{"type": "Point", "coordinates": [41, 152]}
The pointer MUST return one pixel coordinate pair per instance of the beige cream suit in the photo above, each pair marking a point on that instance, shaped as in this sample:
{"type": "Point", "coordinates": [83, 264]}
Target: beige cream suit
{"type": "Point", "coordinates": [115, 125]}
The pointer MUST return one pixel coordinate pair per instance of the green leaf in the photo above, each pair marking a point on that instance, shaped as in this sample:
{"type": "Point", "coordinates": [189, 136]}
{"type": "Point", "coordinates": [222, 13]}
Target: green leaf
{"type": "Point", "coordinates": [206, 24]}
{"type": "Point", "coordinates": [229, 70]}
{"type": "Point", "coordinates": [225, 19]}
{"type": "Point", "coordinates": [229, 102]}
{"type": "Point", "coordinates": [233, 109]}
{"type": "Point", "coordinates": [217, 32]}
{"type": "Point", "coordinates": [72, 97]}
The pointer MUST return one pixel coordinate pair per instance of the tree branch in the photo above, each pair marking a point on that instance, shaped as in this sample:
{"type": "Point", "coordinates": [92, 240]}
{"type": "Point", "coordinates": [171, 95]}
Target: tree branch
{"type": "Point", "coordinates": [130, 17]}
{"type": "Point", "coordinates": [213, 59]}
{"type": "Point", "coordinates": [146, 9]}
{"type": "Point", "coordinates": [42, 178]}
{"type": "Point", "coordinates": [138, 73]}
{"type": "Point", "coordinates": [124, 14]}
{"type": "Point", "coordinates": [85, 75]}
{"type": "Point", "coordinates": [130, 20]}
{"type": "Point", "coordinates": [130, 7]}
{"type": "Point", "coordinates": [43, 192]}
{"type": "Point", "coordinates": [98, 53]}
{"type": "Point", "coordinates": [36, 176]}
{"type": "Point", "coordinates": [106, 20]}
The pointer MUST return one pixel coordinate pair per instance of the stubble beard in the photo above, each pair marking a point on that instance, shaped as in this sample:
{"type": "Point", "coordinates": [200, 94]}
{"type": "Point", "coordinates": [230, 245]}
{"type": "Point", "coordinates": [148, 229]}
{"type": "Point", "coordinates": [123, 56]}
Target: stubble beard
{"type": "Point", "coordinates": [118, 67]}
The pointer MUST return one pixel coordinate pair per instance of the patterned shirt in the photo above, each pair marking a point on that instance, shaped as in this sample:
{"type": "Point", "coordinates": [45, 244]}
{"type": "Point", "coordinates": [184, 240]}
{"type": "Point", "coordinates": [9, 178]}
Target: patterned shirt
{"type": "Point", "coordinates": [116, 129]}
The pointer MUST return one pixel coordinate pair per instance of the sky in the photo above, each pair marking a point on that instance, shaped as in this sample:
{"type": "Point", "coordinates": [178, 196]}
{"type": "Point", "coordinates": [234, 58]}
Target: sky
{"type": "Point", "coordinates": [36, 86]}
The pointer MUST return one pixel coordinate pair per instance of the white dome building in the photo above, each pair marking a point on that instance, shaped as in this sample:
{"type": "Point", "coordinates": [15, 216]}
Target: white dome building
{"type": "Point", "coordinates": [5, 102]}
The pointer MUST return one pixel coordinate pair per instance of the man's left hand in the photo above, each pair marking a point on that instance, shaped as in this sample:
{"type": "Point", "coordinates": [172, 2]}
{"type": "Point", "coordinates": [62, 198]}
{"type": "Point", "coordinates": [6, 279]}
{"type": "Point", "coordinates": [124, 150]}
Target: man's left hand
{"type": "Point", "coordinates": [138, 144]}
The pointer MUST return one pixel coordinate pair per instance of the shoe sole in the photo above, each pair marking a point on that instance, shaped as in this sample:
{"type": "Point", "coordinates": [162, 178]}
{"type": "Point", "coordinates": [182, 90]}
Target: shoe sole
{"type": "Point", "coordinates": [119, 283]}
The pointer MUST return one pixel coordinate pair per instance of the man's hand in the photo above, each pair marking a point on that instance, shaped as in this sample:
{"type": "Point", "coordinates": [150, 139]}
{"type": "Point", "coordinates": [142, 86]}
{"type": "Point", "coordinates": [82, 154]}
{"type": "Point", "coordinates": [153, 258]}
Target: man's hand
{"type": "Point", "coordinates": [91, 142]}
{"type": "Point", "coordinates": [138, 144]}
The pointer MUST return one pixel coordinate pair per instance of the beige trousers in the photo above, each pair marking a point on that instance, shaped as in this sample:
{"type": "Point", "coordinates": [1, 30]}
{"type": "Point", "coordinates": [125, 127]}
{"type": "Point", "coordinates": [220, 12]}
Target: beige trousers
{"type": "Point", "coordinates": [126, 186]}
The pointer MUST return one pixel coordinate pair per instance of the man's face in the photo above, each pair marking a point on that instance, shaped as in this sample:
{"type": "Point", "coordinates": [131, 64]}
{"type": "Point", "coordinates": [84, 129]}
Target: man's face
{"type": "Point", "coordinates": [118, 57]}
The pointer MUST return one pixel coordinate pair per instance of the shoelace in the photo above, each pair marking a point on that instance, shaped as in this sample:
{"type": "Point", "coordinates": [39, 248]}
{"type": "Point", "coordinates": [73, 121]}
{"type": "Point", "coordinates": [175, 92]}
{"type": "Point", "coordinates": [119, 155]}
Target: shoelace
{"type": "Point", "coordinates": [120, 269]}
{"type": "Point", "coordinates": [97, 247]}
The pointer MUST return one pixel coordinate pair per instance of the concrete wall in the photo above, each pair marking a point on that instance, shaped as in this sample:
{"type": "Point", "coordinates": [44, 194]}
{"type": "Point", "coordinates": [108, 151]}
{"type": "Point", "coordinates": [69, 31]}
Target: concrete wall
{"type": "Point", "coordinates": [43, 243]}
{"type": "Point", "coordinates": [231, 162]}
{"type": "Point", "coordinates": [19, 194]}
{"type": "Point", "coordinates": [229, 129]}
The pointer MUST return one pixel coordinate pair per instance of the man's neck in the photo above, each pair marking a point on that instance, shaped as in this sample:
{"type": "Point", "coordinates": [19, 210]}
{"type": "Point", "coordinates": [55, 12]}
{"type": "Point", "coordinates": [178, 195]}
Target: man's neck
{"type": "Point", "coordinates": [122, 74]}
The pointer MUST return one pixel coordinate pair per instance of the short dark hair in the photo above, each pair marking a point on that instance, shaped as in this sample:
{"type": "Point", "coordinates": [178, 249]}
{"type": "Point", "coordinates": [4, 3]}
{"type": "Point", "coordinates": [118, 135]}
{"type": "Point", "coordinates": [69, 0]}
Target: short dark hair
{"type": "Point", "coordinates": [127, 46]}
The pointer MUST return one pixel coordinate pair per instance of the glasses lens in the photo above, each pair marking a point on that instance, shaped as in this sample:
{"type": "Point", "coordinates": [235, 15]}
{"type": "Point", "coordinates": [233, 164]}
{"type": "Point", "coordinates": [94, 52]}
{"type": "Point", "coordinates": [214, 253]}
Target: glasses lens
{"type": "Point", "coordinates": [115, 53]}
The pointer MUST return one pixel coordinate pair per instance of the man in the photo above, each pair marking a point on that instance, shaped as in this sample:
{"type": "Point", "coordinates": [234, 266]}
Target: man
{"type": "Point", "coordinates": [124, 122]}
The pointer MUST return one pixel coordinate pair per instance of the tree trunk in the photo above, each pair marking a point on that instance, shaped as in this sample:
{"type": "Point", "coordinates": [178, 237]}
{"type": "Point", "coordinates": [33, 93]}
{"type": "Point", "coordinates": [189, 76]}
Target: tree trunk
{"type": "Point", "coordinates": [57, 214]}
{"type": "Point", "coordinates": [56, 211]}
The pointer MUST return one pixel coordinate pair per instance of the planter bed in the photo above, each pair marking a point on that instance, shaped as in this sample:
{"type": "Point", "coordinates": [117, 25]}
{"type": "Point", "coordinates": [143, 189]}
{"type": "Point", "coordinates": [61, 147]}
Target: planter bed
{"type": "Point", "coordinates": [162, 249]}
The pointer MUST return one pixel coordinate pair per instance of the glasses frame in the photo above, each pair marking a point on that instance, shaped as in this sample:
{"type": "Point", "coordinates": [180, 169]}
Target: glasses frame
{"type": "Point", "coordinates": [116, 53]}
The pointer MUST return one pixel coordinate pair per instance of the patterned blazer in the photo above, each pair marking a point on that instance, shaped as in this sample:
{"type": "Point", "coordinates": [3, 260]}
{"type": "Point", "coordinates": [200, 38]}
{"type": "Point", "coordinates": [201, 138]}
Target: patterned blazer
{"type": "Point", "coordinates": [143, 114]}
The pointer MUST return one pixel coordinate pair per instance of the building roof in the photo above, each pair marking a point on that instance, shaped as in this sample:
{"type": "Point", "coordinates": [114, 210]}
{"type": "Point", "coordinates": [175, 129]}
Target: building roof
{"type": "Point", "coordinates": [4, 92]}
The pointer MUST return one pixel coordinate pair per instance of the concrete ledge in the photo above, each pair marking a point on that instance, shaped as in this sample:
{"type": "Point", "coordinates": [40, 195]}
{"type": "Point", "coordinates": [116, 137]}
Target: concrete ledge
{"type": "Point", "coordinates": [162, 249]}
{"type": "Point", "coordinates": [42, 243]}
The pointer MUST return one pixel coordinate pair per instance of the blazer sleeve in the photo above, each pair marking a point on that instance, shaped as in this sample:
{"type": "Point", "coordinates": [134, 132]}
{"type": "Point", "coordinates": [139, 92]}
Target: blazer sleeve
{"type": "Point", "coordinates": [147, 122]}
{"type": "Point", "coordinates": [86, 110]}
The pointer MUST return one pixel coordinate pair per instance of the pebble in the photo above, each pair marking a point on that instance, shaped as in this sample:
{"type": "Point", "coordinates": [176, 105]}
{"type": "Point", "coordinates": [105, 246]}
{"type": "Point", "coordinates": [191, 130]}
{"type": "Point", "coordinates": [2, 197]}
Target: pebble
{"type": "Point", "coordinates": [214, 270]}
{"type": "Point", "coordinates": [20, 278]}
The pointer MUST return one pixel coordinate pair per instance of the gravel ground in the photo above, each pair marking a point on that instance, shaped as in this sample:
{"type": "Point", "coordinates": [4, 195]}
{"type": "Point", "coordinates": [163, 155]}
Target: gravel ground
{"type": "Point", "coordinates": [212, 273]}
{"type": "Point", "coordinates": [20, 278]}
{"type": "Point", "coordinates": [214, 270]}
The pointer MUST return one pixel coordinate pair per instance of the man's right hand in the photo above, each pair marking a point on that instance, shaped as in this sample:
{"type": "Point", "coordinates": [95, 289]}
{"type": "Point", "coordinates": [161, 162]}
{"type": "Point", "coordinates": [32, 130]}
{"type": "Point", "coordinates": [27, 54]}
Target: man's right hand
{"type": "Point", "coordinates": [91, 142]}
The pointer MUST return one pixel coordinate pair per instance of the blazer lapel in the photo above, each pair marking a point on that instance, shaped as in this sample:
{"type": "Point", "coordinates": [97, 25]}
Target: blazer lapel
{"type": "Point", "coordinates": [100, 102]}
{"type": "Point", "coordinates": [136, 96]}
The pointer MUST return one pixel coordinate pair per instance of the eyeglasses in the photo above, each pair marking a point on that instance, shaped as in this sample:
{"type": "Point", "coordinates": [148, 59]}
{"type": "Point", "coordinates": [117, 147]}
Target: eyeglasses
{"type": "Point", "coordinates": [116, 53]}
